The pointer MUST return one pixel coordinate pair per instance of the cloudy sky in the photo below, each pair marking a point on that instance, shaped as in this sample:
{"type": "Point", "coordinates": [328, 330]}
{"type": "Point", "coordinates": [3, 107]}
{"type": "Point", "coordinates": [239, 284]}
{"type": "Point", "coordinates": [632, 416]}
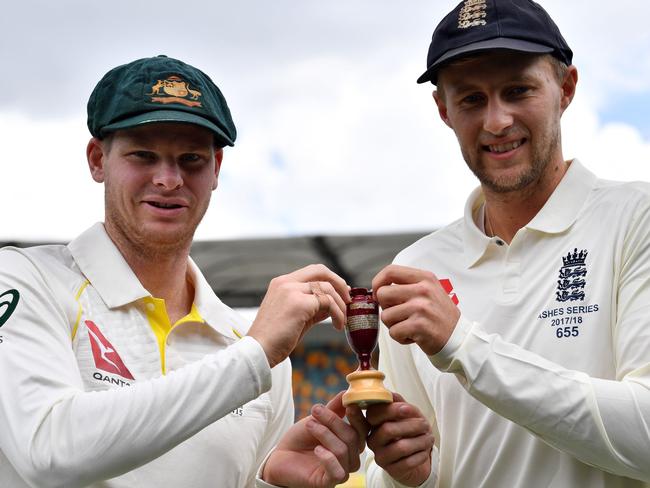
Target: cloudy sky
{"type": "Point", "coordinates": [335, 136]}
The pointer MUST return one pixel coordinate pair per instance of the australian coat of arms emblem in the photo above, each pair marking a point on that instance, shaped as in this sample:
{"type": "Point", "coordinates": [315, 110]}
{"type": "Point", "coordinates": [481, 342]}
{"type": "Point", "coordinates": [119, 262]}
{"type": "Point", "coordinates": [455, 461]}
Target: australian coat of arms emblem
{"type": "Point", "coordinates": [572, 277]}
{"type": "Point", "coordinates": [174, 89]}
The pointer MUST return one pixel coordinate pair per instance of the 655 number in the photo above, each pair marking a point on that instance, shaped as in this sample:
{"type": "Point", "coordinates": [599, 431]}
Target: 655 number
{"type": "Point", "coordinates": [569, 331]}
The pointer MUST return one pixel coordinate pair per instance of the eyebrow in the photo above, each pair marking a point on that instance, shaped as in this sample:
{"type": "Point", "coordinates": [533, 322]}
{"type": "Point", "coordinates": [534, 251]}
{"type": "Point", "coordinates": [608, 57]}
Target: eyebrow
{"type": "Point", "coordinates": [192, 143]}
{"type": "Point", "coordinates": [462, 87]}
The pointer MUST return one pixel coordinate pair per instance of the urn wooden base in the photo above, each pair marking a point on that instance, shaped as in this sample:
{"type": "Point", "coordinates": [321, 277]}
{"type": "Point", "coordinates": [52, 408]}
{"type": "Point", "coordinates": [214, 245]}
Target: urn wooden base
{"type": "Point", "coordinates": [366, 388]}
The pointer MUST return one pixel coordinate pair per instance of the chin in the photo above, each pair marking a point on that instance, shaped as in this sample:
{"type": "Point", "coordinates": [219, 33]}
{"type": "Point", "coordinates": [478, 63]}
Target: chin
{"type": "Point", "coordinates": [165, 236]}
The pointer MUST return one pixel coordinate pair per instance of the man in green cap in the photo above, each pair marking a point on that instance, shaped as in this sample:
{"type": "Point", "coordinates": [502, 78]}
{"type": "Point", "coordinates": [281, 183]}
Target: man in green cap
{"type": "Point", "coordinates": [119, 365]}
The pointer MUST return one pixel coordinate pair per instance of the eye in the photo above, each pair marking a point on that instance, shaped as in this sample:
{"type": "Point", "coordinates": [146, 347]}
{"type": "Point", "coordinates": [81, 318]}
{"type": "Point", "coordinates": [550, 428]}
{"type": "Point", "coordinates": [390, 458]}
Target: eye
{"type": "Point", "coordinates": [471, 99]}
{"type": "Point", "coordinates": [192, 160]}
{"type": "Point", "coordinates": [143, 156]}
{"type": "Point", "coordinates": [518, 91]}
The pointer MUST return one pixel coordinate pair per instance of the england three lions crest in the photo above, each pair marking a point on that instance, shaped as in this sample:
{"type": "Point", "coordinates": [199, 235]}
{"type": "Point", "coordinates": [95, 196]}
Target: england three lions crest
{"type": "Point", "coordinates": [572, 277]}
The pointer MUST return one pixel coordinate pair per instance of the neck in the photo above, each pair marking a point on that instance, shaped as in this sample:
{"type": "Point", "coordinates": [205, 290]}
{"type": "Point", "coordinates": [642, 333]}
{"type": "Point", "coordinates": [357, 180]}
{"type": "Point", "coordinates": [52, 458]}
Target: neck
{"type": "Point", "coordinates": [163, 273]}
{"type": "Point", "coordinates": [506, 213]}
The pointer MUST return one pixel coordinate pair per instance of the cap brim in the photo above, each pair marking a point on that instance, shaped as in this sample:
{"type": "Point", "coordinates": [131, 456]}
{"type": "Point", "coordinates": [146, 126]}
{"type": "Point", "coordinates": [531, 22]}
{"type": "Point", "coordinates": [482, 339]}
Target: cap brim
{"type": "Point", "coordinates": [158, 116]}
{"type": "Point", "coordinates": [496, 43]}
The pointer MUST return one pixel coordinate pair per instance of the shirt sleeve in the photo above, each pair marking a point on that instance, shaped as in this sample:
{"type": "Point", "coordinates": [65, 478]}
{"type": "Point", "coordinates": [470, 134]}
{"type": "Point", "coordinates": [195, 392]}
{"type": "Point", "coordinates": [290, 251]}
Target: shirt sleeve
{"type": "Point", "coordinates": [282, 396]}
{"type": "Point", "coordinates": [602, 422]}
{"type": "Point", "coordinates": [396, 362]}
{"type": "Point", "coordinates": [51, 430]}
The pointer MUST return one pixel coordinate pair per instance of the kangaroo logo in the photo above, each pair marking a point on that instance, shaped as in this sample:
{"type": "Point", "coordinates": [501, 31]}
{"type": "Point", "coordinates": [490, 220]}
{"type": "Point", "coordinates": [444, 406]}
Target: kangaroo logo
{"type": "Point", "coordinates": [174, 89]}
{"type": "Point", "coordinates": [9, 305]}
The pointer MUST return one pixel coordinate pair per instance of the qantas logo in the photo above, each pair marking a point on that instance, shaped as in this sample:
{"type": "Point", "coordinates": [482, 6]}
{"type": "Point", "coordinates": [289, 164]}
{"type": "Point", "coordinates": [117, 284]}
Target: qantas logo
{"type": "Point", "coordinates": [106, 357]}
{"type": "Point", "coordinates": [447, 286]}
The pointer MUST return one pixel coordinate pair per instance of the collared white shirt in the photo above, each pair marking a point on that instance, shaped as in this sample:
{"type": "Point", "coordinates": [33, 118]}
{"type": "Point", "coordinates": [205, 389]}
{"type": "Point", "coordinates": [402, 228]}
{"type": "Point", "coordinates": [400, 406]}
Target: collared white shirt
{"type": "Point", "coordinates": [93, 386]}
{"type": "Point", "coordinates": [545, 381]}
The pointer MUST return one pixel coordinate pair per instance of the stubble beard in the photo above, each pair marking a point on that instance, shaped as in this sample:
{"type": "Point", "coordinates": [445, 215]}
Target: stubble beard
{"type": "Point", "coordinates": [541, 157]}
{"type": "Point", "coordinates": [146, 243]}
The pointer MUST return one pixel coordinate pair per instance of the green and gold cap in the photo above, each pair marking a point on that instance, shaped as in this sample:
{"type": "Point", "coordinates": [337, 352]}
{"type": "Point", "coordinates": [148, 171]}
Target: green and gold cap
{"type": "Point", "coordinates": [159, 89]}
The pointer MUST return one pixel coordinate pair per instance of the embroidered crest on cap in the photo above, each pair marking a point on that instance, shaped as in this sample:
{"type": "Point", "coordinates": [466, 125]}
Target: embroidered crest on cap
{"type": "Point", "coordinates": [174, 89]}
{"type": "Point", "coordinates": [472, 14]}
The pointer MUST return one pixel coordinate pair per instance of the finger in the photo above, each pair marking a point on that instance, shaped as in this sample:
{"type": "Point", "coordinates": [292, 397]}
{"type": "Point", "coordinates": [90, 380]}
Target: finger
{"type": "Point", "coordinates": [391, 432]}
{"type": "Point", "coordinates": [389, 296]}
{"type": "Point", "coordinates": [335, 473]}
{"type": "Point", "coordinates": [387, 454]}
{"type": "Point", "coordinates": [401, 467]}
{"type": "Point", "coordinates": [320, 272]}
{"type": "Point", "coordinates": [355, 416]}
{"type": "Point", "coordinates": [343, 431]}
{"type": "Point", "coordinates": [330, 442]}
{"type": "Point", "coordinates": [330, 303]}
{"type": "Point", "coordinates": [394, 273]}
{"type": "Point", "coordinates": [416, 307]}
{"type": "Point", "coordinates": [336, 404]}
{"type": "Point", "coordinates": [397, 410]}
{"type": "Point", "coordinates": [329, 290]}
{"type": "Point", "coordinates": [325, 302]}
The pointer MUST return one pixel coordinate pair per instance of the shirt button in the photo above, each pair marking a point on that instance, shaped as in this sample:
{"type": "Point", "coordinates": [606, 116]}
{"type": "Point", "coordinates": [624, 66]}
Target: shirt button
{"type": "Point", "coordinates": [151, 307]}
{"type": "Point", "coordinates": [500, 242]}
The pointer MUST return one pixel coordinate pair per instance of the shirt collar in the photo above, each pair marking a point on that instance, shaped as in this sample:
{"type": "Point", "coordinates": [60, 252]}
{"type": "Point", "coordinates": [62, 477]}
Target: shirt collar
{"type": "Point", "coordinates": [562, 208]}
{"type": "Point", "coordinates": [475, 242]}
{"type": "Point", "coordinates": [214, 312]}
{"type": "Point", "coordinates": [103, 265]}
{"type": "Point", "coordinates": [557, 215]}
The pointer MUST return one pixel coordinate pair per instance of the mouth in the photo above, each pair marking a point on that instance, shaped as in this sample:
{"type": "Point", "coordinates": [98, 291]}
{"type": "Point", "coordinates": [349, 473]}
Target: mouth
{"type": "Point", "coordinates": [503, 148]}
{"type": "Point", "coordinates": [164, 205]}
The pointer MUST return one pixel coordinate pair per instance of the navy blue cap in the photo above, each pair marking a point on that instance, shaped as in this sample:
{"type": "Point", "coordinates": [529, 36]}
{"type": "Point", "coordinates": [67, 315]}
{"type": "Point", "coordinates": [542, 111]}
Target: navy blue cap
{"type": "Point", "coordinates": [479, 25]}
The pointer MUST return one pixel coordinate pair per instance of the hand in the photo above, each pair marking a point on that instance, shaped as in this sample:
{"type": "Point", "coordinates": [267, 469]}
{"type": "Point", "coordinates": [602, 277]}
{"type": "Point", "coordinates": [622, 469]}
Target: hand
{"type": "Point", "coordinates": [401, 439]}
{"type": "Point", "coordinates": [293, 303]}
{"type": "Point", "coordinates": [317, 452]}
{"type": "Point", "coordinates": [415, 307]}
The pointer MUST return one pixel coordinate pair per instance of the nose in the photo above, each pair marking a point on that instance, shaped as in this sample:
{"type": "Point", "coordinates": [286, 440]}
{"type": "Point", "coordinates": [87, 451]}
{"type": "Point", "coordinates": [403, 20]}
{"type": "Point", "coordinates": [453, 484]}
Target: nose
{"type": "Point", "coordinates": [498, 118]}
{"type": "Point", "coordinates": [168, 176]}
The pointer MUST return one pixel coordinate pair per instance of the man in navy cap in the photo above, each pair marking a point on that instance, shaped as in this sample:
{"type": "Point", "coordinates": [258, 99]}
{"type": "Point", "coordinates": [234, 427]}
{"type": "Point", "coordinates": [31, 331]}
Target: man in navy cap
{"type": "Point", "coordinates": [119, 367]}
{"type": "Point", "coordinates": [521, 330]}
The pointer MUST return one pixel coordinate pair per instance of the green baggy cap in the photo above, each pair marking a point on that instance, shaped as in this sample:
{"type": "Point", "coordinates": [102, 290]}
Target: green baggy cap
{"type": "Point", "coordinates": [159, 89]}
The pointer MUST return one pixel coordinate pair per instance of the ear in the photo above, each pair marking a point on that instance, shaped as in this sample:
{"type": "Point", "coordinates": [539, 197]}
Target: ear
{"type": "Point", "coordinates": [568, 87]}
{"type": "Point", "coordinates": [95, 156]}
{"type": "Point", "coordinates": [442, 107]}
{"type": "Point", "coordinates": [218, 158]}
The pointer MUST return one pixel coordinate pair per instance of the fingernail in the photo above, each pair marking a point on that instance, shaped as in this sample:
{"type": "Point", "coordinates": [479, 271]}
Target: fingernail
{"type": "Point", "coordinates": [404, 410]}
{"type": "Point", "coordinates": [318, 409]}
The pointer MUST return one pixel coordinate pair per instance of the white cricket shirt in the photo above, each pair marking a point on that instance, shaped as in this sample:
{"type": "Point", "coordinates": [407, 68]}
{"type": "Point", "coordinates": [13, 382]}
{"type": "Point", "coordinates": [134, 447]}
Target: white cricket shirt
{"type": "Point", "coordinates": [545, 381]}
{"type": "Point", "coordinates": [95, 383]}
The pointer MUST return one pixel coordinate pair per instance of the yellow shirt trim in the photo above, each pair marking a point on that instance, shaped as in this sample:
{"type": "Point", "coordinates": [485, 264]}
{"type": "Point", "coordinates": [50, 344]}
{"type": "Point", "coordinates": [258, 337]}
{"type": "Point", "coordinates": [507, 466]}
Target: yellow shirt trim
{"type": "Point", "coordinates": [80, 309]}
{"type": "Point", "coordinates": [159, 321]}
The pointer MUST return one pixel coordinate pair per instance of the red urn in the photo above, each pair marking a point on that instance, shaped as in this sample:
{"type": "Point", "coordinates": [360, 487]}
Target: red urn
{"type": "Point", "coordinates": [362, 325]}
{"type": "Point", "coordinates": [361, 328]}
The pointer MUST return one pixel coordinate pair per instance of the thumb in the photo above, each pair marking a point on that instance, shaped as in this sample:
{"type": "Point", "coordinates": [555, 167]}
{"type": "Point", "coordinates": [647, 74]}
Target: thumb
{"type": "Point", "coordinates": [336, 404]}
